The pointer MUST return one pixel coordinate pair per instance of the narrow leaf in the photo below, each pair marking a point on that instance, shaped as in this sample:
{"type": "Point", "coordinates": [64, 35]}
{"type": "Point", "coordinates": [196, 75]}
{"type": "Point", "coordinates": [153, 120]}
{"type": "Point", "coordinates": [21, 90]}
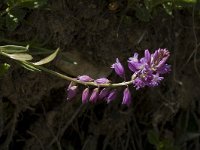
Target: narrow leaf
{"type": "Point", "coordinates": [29, 67]}
{"type": "Point", "coordinates": [20, 56]}
{"type": "Point", "coordinates": [13, 49]}
{"type": "Point", "coordinates": [47, 59]}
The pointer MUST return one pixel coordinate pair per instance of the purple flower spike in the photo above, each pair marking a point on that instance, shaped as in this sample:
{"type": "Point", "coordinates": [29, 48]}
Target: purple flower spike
{"type": "Point", "coordinates": [94, 95]}
{"type": "Point", "coordinates": [85, 95]}
{"type": "Point", "coordinates": [101, 81]}
{"type": "Point", "coordinates": [104, 92]}
{"type": "Point", "coordinates": [71, 92]}
{"type": "Point", "coordinates": [127, 97]}
{"type": "Point", "coordinates": [119, 69]}
{"type": "Point", "coordinates": [85, 78]}
{"type": "Point", "coordinates": [111, 96]}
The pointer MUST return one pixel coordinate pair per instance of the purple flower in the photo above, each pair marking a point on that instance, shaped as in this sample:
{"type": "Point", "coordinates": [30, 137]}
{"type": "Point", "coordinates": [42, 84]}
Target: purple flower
{"type": "Point", "coordinates": [85, 78]}
{"type": "Point", "coordinates": [139, 83]}
{"type": "Point", "coordinates": [164, 69]}
{"type": "Point", "coordinates": [101, 81]}
{"type": "Point", "coordinates": [104, 92]}
{"type": "Point", "coordinates": [155, 81]}
{"type": "Point", "coordinates": [126, 97]}
{"type": "Point", "coordinates": [159, 58]}
{"type": "Point", "coordinates": [147, 69]}
{"type": "Point", "coordinates": [133, 63]}
{"type": "Point", "coordinates": [111, 96]}
{"type": "Point", "coordinates": [94, 95]}
{"type": "Point", "coordinates": [71, 91]}
{"type": "Point", "coordinates": [119, 69]}
{"type": "Point", "coordinates": [85, 95]}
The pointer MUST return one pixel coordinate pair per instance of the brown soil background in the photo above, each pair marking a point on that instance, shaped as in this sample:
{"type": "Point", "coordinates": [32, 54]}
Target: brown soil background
{"type": "Point", "coordinates": [34, 113]}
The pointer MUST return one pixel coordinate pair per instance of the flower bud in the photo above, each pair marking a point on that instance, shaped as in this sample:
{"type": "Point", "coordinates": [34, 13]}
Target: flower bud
{"type": "Point", "coordinates": [94, 95]}
{"type": "Point", "coordinates": [85, 78]}
{"type": "Point", "coordinates": [127, 97]}
{"type": "Point", "coordinates": [71, 92]}
{"type": "Point", "coordinates": [104, 92]}
{"type": "Point", "coordinates": [101, 81]}
{"type": "Point", "coordinates": [119, 69]}
{"type": "Point", "coordinates": [85, 95]}
{"type": "Point", "coordinates": [111, 96]}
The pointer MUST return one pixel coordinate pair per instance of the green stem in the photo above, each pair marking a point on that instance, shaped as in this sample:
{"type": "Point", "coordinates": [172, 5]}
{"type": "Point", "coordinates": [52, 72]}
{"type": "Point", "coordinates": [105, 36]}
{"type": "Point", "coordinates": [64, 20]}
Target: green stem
{"type": "Point", "coordinates": [81, 82]}
{"type": "Point", "coordinates": [72, 79]}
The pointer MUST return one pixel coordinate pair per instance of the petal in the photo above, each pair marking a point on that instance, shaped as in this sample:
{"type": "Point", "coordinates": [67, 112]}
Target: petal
{"type": "Point", "coordinates": [147, 56]}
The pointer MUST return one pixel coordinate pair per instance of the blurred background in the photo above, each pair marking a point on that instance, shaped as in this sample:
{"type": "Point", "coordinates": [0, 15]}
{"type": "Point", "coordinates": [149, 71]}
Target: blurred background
{"type": "Point", "coordinates": [34, 112]}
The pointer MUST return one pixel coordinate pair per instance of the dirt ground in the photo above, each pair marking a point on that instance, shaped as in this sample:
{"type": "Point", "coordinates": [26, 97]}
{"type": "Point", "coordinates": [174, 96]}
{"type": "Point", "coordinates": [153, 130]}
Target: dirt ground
{"type": "Point", "coordinates": [34, 113]}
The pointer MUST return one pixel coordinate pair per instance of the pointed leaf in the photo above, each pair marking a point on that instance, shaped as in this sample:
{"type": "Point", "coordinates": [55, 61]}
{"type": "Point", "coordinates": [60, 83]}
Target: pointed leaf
{"type": "Point", "coordinates": [20, 56]}
{"type": "Point", "coordinates": [47, 59]}
{"type": "Point", "coordinates": [13, 49]}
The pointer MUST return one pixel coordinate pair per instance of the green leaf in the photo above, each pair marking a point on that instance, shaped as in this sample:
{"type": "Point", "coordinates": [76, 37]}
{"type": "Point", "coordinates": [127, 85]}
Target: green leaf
{"type": "Point", "coordinates": [153, 137]}
{"type": "Point", "coordinates": [29, 66]}
{"type": "Point", "coordinates": [14, 17]}
{"type": "Point", "coordinates": [47, 59]}
{"type": "Point", "coordinates": [4, 68]}
{"type": "Point", "coordinates": [19, 56]}
{"type": "Point", "coordinates": [13, 49]}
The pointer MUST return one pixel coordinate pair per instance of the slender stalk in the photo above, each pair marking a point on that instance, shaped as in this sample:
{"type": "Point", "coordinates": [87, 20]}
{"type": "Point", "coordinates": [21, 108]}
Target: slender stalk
{"type": "Point", "coordinates": [70, 78]}
{"type": "Point", "coordinates": [81, 82]}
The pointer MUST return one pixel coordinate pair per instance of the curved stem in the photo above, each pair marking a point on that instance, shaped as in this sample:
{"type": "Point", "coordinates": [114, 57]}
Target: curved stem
{"type": "Point", "coordinates": [70, 78]}
{"type": "Point", "coordinates": [81, 82]}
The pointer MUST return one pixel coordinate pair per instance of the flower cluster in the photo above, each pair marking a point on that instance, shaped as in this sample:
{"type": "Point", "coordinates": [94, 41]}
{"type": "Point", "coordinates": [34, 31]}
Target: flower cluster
{"type": "Point", "coordinates": [146, 71]}
{"type": "Point", "coordinates": [149, 69]}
